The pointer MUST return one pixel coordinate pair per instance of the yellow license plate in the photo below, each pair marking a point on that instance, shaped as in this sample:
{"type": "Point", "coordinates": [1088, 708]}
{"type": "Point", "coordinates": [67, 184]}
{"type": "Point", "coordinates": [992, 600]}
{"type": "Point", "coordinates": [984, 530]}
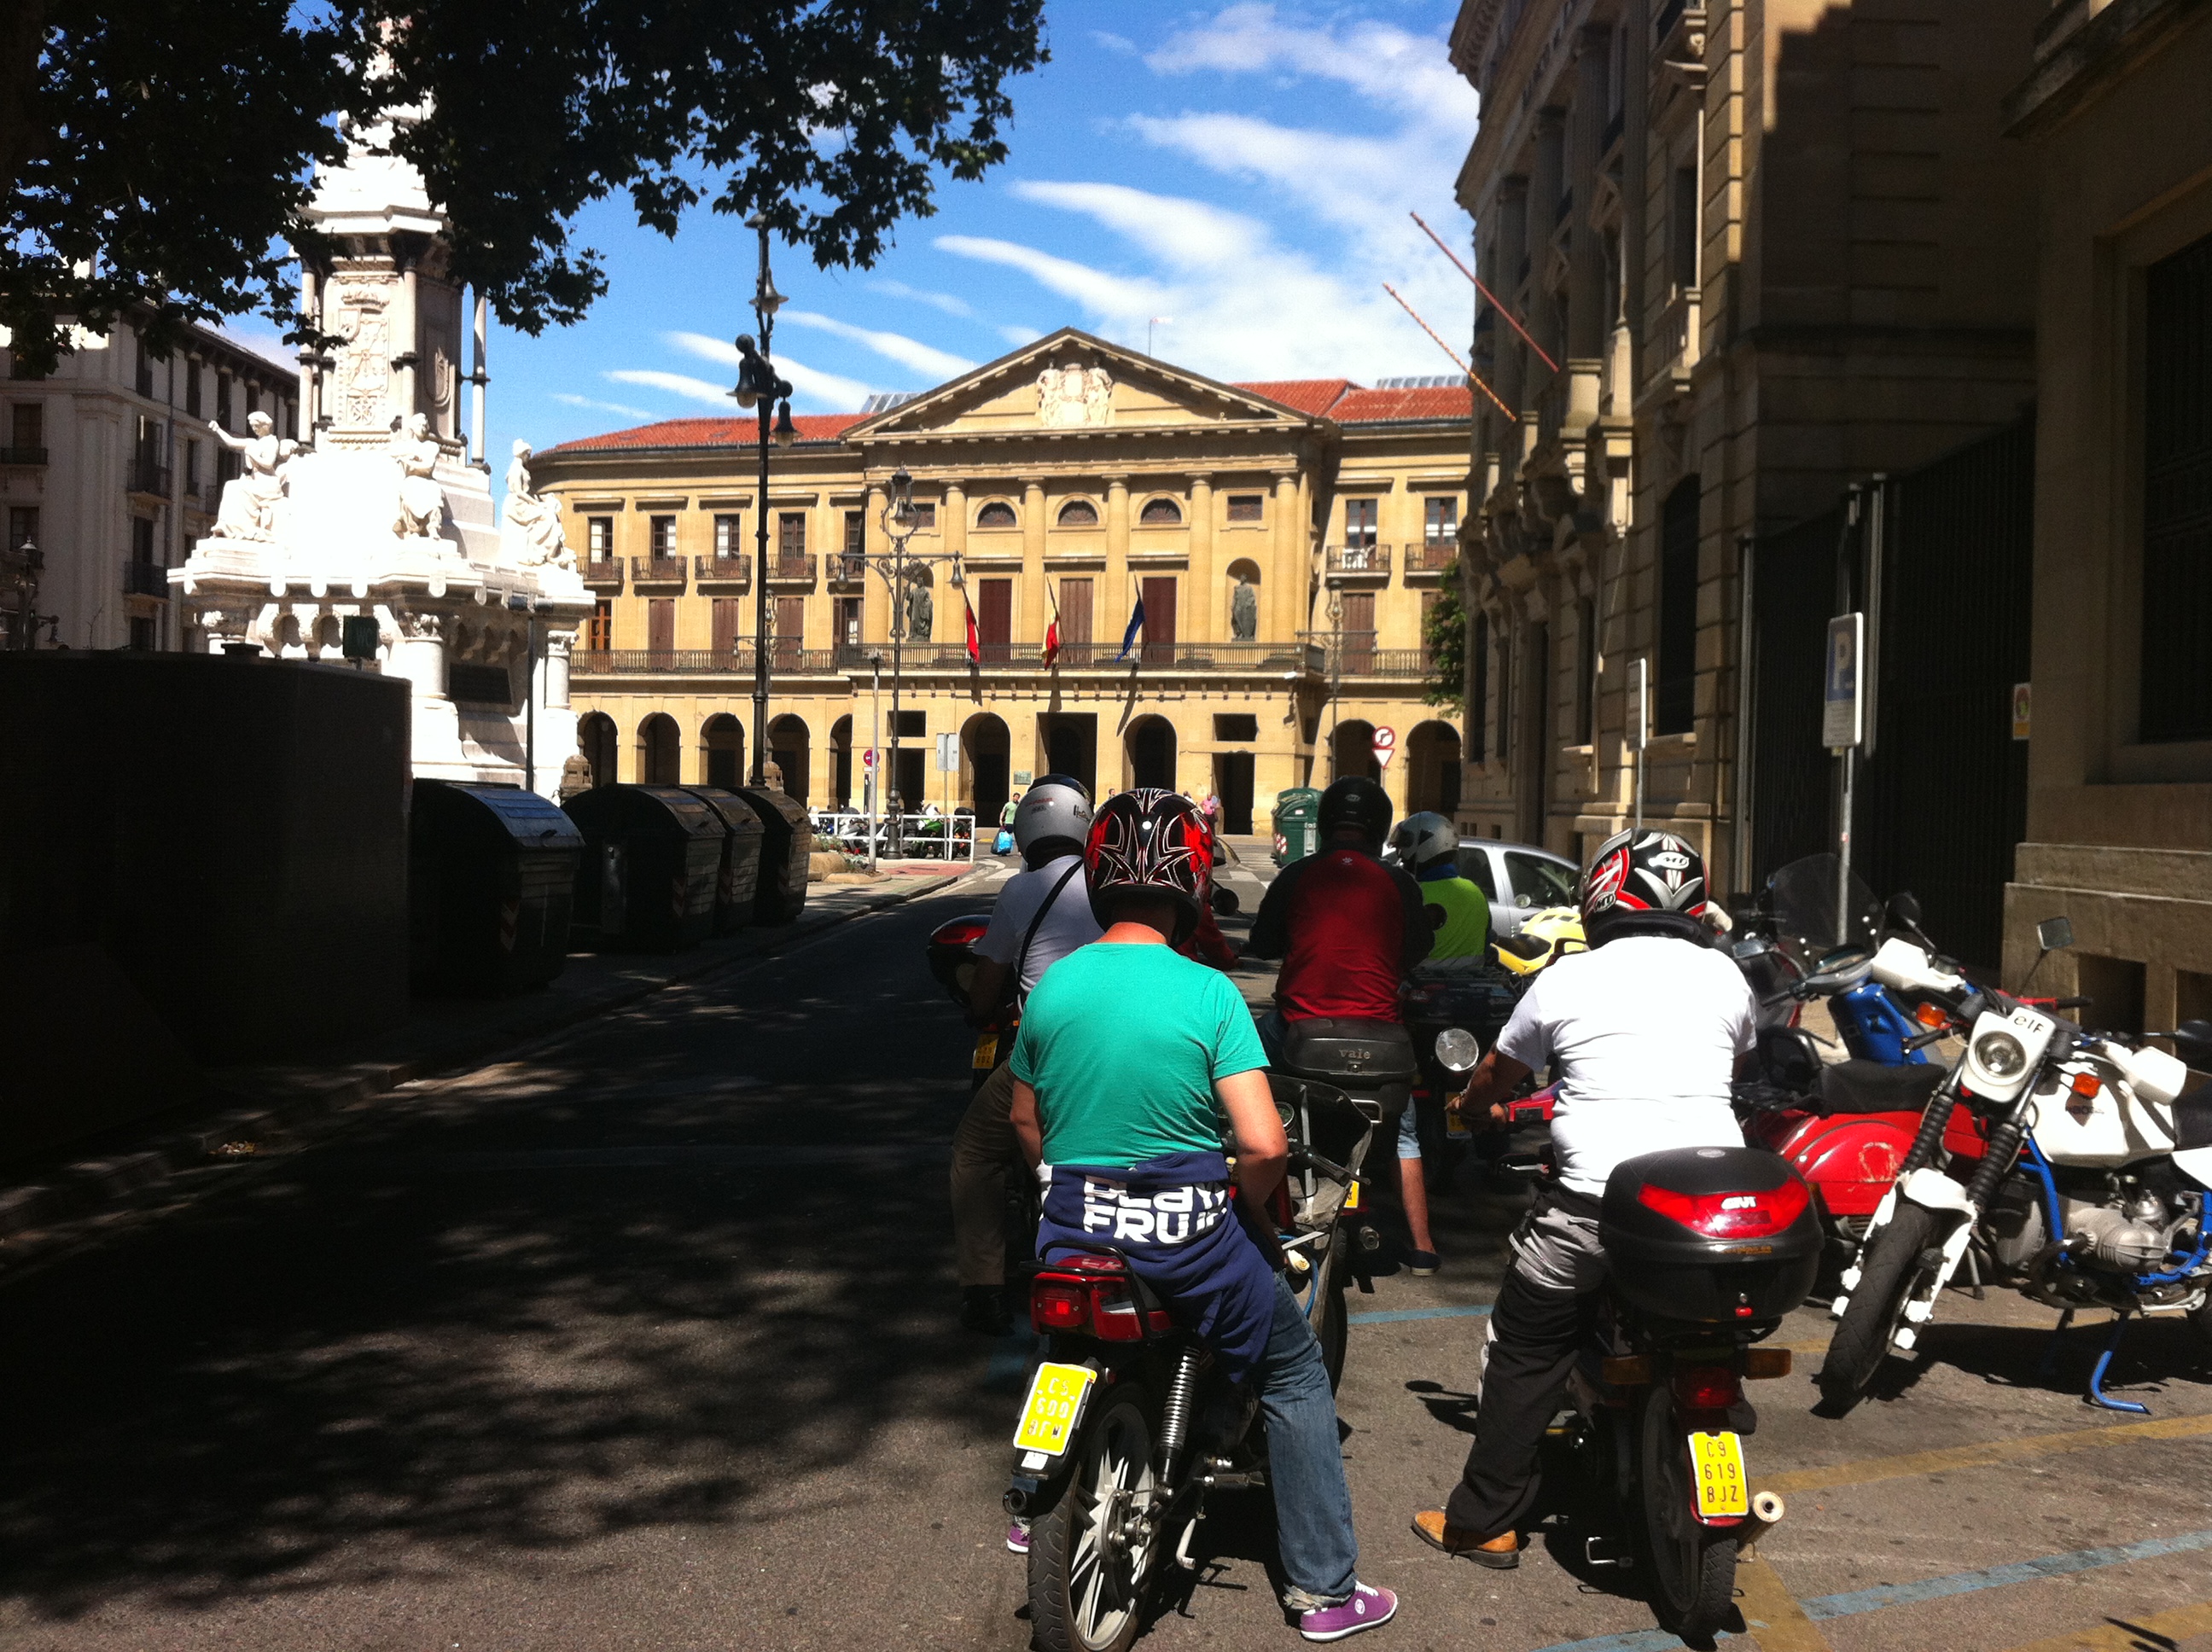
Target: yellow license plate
{"type": "Point", "coordinates": [1718, 1460]}
{"type": "Point", "coordinates": [1351, 1197]}
{"type": "Point", "coordinates": [987, 1051]}
{"type": "Point", "coordinates": [1056, 1400]}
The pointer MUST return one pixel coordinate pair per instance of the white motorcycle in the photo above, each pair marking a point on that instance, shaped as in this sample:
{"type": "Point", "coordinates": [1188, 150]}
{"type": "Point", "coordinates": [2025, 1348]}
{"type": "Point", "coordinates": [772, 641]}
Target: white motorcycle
{"type": "Point", "coordinates": [2068, 1163]}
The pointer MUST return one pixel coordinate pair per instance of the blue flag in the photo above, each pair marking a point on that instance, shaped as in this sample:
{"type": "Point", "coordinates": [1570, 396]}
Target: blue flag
{"type": "Point", "coordinates": [1136, 624]}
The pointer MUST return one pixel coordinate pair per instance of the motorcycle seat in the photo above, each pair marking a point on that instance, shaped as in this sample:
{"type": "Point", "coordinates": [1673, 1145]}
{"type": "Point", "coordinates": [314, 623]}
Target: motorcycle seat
{"type": "Point", "coordinates": [1873, 1087]}
{"type": "Point", "coordinates": [1372, 1052]}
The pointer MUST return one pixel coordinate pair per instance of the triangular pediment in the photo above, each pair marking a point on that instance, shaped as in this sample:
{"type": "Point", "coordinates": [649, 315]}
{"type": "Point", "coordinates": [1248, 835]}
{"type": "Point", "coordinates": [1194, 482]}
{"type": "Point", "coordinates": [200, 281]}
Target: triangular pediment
{"type": "Point", "coordinates": [1069, 382]}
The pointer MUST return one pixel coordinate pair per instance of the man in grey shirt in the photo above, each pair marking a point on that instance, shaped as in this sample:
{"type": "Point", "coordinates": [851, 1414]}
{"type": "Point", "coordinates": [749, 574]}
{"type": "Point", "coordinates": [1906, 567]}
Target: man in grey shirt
{"type": "Point", "coordinates": [1044, 914]}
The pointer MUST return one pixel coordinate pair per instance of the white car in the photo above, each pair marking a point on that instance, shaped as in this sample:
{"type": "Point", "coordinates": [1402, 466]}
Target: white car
{"type": "Point", "coordinates": [1518, 879]}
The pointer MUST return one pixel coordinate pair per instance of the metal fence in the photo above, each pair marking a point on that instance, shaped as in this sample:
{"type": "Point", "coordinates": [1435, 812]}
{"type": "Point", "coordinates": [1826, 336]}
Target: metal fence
{"type": "Point", "coordinates": [914, 837]}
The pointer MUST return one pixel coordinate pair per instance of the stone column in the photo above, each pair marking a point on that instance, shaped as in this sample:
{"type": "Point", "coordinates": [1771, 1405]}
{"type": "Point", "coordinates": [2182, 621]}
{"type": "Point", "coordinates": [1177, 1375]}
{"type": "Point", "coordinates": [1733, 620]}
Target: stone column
{"type": "Point", "coordinates": [877, 596]}
{"type": "Point", "coordinates": [952, 518]}
{"type": "Point", "coordinates": [1290, 577]}
{"type": "Point", "coordinates": [1205, 584]}
{"type": "Point", "coordinates": [405, 331]}
{"type": "Point", "coordinates": [557, 645]}
{"type": "Point", "coordinates": [1546, 184]}
{"type": "Point", "coordinates": [477, 380]}
{"type": "Point", "coordinates": [1033, 574]}
{"type": "Point", "coordinates": [310, 376]}
{"type": "Point", "coordinates": [1514, 359]}
{"type": "Point", "coordinates": [418, 651]}
{"type": "Point", "coordinates": [1586, 318]}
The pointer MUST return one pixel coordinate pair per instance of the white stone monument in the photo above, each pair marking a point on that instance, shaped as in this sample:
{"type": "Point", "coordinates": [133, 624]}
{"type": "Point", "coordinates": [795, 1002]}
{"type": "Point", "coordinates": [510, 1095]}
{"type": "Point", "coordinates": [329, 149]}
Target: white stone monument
{"type": "Point", "coordinates": [382, 508]}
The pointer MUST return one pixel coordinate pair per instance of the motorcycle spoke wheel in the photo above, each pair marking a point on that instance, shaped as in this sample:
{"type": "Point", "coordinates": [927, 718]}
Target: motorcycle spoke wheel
{"type": "Point", "coordinates": [1692, 1567]}
{"type": "Point", "coordinates": [1890, 1275]}
{"type": "Point", "coordinates": [1091, 1557]}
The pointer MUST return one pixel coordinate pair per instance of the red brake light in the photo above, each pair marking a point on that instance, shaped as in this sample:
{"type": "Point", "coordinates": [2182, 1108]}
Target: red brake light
{"type": "Point", "coordinates": [1059, 1305]}
{"type": "Point", "coordinates": [1728, 1215]}
{"type": "Point", "coordinates": [1706, 1388]}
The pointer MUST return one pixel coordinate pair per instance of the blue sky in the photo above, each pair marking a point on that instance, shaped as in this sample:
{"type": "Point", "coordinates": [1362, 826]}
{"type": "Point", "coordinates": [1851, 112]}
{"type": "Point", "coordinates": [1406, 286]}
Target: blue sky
{"type": "Point", "coordinates": [1245, 171]}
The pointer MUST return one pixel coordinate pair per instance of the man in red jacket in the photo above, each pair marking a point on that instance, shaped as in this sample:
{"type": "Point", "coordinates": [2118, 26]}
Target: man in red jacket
{"type": "Point", "coordinates": [1349, 929]}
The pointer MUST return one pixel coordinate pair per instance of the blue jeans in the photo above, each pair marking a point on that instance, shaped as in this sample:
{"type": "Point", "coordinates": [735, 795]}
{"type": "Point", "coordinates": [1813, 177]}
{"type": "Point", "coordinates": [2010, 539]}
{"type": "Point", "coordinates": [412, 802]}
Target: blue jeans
{"type": "Point", "coordinates": [1305, 1464]}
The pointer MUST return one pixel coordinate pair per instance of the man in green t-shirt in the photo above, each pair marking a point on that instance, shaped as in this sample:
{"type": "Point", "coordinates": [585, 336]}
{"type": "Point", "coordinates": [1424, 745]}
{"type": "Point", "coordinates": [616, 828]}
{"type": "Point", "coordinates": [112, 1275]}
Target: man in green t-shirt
{"type": "Point", "coordinates": [1129, 1061]}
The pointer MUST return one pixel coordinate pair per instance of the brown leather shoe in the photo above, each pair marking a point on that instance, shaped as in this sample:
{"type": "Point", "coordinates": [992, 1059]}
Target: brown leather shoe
{"type": "Point", "coordinates": [1502, 1552]}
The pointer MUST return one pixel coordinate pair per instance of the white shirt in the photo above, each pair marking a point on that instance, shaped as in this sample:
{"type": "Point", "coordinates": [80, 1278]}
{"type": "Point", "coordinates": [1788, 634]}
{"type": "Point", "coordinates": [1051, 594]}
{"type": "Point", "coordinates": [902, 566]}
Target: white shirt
{"type": "Point", "coordinates": [1067, 926]}
{"type": "Point", "coordinates": [1642, 1035]}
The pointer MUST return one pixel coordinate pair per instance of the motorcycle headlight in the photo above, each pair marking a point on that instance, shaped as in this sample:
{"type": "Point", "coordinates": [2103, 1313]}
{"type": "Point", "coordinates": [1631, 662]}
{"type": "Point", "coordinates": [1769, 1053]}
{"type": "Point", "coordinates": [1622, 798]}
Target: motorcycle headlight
{"type": "Point", "coordinates": [2000, 1054]}
{"type": "Point", "coordinates": [1457, 1048]}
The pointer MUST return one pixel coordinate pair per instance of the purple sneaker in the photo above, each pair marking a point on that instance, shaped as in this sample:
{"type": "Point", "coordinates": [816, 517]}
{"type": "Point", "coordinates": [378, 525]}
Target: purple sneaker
{"type": "Point", "coordinates": [1018, 1538]}
{"type": "Point", "coordinates": [1367, 1609]}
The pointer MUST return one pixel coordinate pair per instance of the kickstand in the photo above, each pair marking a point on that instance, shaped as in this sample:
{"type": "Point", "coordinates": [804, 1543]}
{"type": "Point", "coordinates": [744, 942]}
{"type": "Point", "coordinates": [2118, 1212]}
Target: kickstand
{"type": "Point", "coordinates": [2096, 1395]}
{"type": "Point", "coordinates": [2049, 1365]}
{"type": "Point", "coordinates": [1974, 1274]}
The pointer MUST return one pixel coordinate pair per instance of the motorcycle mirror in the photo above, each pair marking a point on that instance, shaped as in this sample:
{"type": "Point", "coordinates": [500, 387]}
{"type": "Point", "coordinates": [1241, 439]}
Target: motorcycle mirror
{"type": "Point", "coordinates": [1225, 902]}
{"type": "Point", "coordinates": [2192, 1042]}
{"type": "Point", "coordinates": [2055, 934]}
{"type": "Point", "coordinates": [1457, 1050]}
{"type": "Point", "coordinates": [1905, 909]}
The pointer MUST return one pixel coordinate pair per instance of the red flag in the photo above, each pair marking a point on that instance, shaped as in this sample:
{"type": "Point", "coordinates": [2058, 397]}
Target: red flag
{"type": "Point", "coordinates": [975, 648]}
{"type": "Point", "coordinates": [1052, 642]}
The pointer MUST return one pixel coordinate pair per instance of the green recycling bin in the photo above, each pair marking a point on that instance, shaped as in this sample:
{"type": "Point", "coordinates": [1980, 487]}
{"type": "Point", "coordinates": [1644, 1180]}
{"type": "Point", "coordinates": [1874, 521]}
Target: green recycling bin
{"type": "Point", "coordinates": [1297, 824]}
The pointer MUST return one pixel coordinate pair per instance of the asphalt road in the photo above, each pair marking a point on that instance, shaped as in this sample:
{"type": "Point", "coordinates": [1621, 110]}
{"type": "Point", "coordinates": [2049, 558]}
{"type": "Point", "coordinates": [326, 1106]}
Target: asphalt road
{"type": "Point", "coordinates": [644, 1339]}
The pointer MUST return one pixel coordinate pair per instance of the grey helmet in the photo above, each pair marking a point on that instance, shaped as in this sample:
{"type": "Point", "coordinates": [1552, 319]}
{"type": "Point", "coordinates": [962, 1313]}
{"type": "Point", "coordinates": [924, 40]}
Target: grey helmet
{"type": "Point", "coordinates": [1423, 840]}
{"type": "Point", "coordinates": [1057, 806]}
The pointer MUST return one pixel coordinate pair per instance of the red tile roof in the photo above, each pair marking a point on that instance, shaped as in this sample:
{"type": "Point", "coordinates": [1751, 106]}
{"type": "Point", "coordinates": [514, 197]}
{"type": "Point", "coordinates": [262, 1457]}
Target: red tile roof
{"type": "Point", "coordinates": [1336, 398]}
{"type": "Point", "coordinates": [710, 433]}
{"type": "Point", "coordinates": [1307, 395]}
{"type": "Point", "coordinates": [1379, 406]}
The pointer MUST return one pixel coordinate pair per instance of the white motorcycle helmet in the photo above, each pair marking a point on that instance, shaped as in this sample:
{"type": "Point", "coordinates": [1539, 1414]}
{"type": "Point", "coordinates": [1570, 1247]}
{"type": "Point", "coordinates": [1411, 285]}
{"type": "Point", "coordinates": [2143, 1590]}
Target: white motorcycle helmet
{"type": "Point", "coordinates": [1056, 807]}
{"type": "Point", "coordinates": [1423, 840]}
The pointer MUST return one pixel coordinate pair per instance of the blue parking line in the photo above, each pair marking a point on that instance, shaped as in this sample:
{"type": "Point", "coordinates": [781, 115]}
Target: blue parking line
{"type": "Point", "coordinates": [1851, 1605]}
{"type": "Point", "coordinates": [1401, 1315]}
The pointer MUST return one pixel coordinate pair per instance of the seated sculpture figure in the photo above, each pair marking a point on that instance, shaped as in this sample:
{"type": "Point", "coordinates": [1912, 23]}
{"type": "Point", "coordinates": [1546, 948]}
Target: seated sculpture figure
{"type": "Point", "coordinates": [422, 500]}
{"type": "Point", "coordinates": [249, 500]}
{"type": "Point", "coordinates": [538, 520]}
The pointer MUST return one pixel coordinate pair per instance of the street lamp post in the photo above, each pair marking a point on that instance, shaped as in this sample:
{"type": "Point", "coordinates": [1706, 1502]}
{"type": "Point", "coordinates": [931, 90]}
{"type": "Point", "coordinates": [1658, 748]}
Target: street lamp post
{"type": "Point", "coordinates": [758, 385]}
{"type": "Point", "coordinates": [895, 567]}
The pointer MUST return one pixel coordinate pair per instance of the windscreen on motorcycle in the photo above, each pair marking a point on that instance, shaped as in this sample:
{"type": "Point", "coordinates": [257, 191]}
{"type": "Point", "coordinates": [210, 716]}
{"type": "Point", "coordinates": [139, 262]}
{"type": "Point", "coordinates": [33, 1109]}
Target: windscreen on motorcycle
{"type": "Point", "coordinates": [1802, 897]}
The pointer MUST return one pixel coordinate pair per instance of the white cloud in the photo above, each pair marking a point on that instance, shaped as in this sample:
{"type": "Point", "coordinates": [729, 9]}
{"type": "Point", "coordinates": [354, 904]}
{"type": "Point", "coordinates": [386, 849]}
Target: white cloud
{"type": "Point", "coordinates": [1095, 289]}
{"type": "Point", "coordinates": [945, 301]}
{"type": "Point", "coordinates": [1188, 234]}
{"type": "Point", "coordinates": [677, 384]}
{"type": "Point", "coordinates": [832, 391]}
{"type": "Point", "coordinates": [1112, 42]}
{"type": "Point", "coordinates": [939, 365]}
{"type": "Point", "coordinates": [571, 400]}
{"type": "Point", "coordinates": [1378, 60]}
{"type": "Point", "coordinates": [1018, 336]}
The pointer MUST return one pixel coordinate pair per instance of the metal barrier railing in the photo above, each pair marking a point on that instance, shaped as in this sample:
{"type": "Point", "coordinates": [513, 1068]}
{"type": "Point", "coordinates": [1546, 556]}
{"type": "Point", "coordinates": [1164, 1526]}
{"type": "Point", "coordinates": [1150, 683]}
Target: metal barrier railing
{"type": "Point", "coordinates": [911, 836]}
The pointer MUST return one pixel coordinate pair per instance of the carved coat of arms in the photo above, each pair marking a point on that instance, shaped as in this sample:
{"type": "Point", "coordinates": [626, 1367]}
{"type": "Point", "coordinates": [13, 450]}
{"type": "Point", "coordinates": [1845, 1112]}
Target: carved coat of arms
{"type": "Point", "coordinates": [1072, 394]}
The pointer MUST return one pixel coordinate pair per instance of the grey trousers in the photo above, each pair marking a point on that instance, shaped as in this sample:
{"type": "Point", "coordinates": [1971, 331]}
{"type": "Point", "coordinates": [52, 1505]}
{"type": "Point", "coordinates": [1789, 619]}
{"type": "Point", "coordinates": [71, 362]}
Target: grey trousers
{"type": "Point", "coordinates": [984, 1153]}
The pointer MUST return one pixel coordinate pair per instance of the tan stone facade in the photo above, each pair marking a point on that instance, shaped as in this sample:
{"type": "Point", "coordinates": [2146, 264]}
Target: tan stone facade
{"type": "Point", "coordinates": [1067, 478]}
{"type": "Point", "coordinates": [1770, 246]}
{"type": "Point", "coordinates": [2117, 119]}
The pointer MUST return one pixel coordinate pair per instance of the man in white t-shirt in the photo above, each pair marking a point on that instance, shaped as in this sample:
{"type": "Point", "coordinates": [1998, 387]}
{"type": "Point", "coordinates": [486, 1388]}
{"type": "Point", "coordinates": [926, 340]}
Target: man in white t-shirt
{"type": "Point", "coordinates": [1643, 1034]}
{"type": "Point", "coordinates": [1042, 914]}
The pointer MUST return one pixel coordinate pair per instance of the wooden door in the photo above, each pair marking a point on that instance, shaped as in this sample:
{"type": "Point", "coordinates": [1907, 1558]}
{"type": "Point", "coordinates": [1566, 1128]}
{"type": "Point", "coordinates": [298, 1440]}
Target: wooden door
{"type": "Point", "coordinates": [1075, 621]}
{"type": "Point", "coordinates": [790, 632]}
{"type": "Point", "coordinates": [1359, 639]}
{"type": "Point", "coordinates": [995, 619]}
{"type": "Point", "coordinates": [1160, 620]}
{"type": "Point", "coordinates": [660, 625]}
{"type": "Point", "coordinates": [728, 612]}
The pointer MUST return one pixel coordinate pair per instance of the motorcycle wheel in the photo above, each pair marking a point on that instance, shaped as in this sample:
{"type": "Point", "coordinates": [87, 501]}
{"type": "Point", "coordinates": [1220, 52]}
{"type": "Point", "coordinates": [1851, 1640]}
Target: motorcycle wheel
{"type": "Point", "coordinates": [1692, 1567]}
{"type": "Point", "coordinates": [1889, 1272]}
{"type": "Point", "coordinates": [1093, 1555]}
{"type": "Point", "coordinates": [1331, 1328]}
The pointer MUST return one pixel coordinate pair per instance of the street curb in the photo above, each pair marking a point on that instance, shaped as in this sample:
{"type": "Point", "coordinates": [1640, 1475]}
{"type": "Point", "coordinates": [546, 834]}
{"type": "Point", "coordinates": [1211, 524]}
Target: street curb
{"type": "Point", "coordinates": [76, 1191]}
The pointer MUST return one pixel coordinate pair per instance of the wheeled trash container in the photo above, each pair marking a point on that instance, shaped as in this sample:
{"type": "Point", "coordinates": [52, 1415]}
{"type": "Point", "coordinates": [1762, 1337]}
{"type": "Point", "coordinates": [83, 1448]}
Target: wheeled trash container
{"type": "Point", "coordinates": [491, 876]}
{"type": "Point", "coordinates": [740, 882]}
{"type": "Point", "coordinates": [652, 864]}
{"type": "Point", "coordinates": [1297, 824]}
{"type": "Point", "coordinates": [786, 846]}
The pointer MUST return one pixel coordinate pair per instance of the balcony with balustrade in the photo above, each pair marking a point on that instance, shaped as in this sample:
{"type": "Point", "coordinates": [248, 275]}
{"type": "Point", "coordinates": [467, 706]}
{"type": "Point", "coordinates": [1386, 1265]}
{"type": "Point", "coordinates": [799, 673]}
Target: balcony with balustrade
{"type": "Point", "coordinates": [793, 570]}
{"type": "Point", "coordinates": [145, 579]}
{"type": "Point", "coordinates": [846, 570]}
{"type": "Point", "coordinates": [1348, 654]}
{"type": "Point", "coordinates": [724, 575]}
{"type": "Point", "coordinates": [783, 661]}
{"type": "Point", "coordinates": [24, 456]}
{"type": "Point", "coordinates": [1671, 351]}
{"type": "Point", "coordinates": [604, 574]}
{"type": "Point", "coordinates": [1427, 559]}
{"type": "Point", "coordinates": [1365, 564]}
{"type": "Point", "coordinates": [658, 573]}
{"type": "Point", "coordinates": [147, 477]}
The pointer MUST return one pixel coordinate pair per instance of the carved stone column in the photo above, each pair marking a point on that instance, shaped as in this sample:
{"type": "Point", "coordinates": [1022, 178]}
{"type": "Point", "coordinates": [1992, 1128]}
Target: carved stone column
{"type": "Point", "coordinates": [1514, 358]}
{"type": "Point", "coordinates": [952, 520]}
{"type": "Point", "coordinates": [558, 647]}
{"type": "Point", "coordinates": [877, 596]}
{"type": "Point", "coordinates": [1292, 573]}
{"type": "Point", "coordinates": [1586, 318]}
{"type": "Point", "coordinates": [418, 650]}
{"type": "Point", "coordinates": [1032, 585]}
{"type": "Point", "coordinates": [1205, 583]}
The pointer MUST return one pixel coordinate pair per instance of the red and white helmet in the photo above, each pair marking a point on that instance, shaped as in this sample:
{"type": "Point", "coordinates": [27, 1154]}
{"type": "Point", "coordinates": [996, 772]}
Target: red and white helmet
{"type": "Point", "coordinates": [1152, 842]}
{"type": "Point", "coordinates": [1651, 880]}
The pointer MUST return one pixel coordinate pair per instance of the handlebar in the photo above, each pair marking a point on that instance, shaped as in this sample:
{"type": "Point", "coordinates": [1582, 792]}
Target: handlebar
{"type": "Point", "coordinates": [1922, 1040]}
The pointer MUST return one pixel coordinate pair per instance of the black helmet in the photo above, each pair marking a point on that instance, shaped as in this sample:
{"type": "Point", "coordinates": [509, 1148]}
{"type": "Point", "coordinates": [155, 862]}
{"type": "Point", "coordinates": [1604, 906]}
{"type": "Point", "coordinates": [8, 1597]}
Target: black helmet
{"type": "Point", "coordinates": [1356, 804]}
{"type": "Point", "coordinates": [1150, 842]}
{"type": "Point", "coordinates": [1649, 883]}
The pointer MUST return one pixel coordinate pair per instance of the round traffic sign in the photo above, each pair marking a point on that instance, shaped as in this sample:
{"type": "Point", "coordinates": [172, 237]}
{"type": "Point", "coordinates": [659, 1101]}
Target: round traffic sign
{"type": "Point", "coordinates": [1386, 745]}
{"type": "Point", "coordinates": [868, 758]}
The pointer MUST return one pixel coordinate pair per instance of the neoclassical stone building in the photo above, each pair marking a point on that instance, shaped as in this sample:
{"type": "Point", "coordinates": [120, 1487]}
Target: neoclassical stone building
{"type": "Point", "coordinates": [1068, 479]}
{"type": "Point", "coordinates": [1760, 249]}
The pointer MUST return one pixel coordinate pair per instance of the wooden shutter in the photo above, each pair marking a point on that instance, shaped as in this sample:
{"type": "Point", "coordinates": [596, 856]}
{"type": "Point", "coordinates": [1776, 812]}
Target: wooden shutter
{"type": "Point", "coordinates": [995, 617]}
{"type": "Point", "coordinates": [727, 610]}
{"type": "Point", "coordinates": [1075, 633]}
{"type": "Point", "coordinates": [1358, 632]}
{"type": "Point", "coordinates": [1160, 618]}
{"type": "Point", "coordinates": [790, 630]}
{"type": "Point", "coordinates": [660, 625]}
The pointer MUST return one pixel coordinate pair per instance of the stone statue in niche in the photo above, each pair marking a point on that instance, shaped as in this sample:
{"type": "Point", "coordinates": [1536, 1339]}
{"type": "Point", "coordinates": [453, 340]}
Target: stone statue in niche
{"type": "Point", "coordinates": [1244, 609]}
{"type": "Point", "coordinates": [1073, 394]}
{"type": "Point", "coordinates": [249, 501]}
{"type": "Point", "coordinates": [920, 612]}
{"type": "Point", "coordinates": [422, 500]}
{"type": "Point", "coordinates": [538, 520]}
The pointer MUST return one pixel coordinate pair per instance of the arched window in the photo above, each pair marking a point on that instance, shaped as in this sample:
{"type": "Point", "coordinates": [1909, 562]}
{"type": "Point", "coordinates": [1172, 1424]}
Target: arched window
{"type": "Point", "coordinates": [1077, 513]}
{"type": "Point", "coordinates": [996, 515]}
{"type": "Point", "coordinates": [1162, 513]}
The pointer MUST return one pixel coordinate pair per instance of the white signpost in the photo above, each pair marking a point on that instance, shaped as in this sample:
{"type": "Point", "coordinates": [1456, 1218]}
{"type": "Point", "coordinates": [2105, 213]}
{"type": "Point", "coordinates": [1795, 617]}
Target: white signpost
{"type": "Point", "coordinates": [1639, 726]}
{"type": "Point", "coordinates": [1386, 746]}
{"type": "Point", "coordinates": [1842, 731]}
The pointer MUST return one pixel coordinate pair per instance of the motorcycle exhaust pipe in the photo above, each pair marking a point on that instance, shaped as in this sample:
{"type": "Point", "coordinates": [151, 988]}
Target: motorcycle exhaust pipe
{"type": "Point", "coordinates": [1767, 1510]}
